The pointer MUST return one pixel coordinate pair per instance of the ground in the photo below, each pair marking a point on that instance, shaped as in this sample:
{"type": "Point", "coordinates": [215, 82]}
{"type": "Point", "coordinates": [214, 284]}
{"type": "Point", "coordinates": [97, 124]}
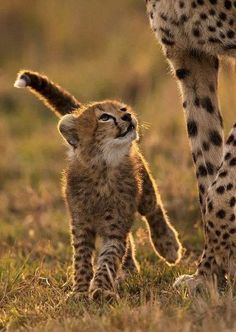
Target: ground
{"type": "Point", "coordinates": [118, 58]}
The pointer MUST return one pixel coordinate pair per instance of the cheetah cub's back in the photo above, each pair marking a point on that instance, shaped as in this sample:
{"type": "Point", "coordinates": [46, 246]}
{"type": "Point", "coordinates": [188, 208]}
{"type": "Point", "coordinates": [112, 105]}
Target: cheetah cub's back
{"type": "Point", "coordinates": [106, 183]}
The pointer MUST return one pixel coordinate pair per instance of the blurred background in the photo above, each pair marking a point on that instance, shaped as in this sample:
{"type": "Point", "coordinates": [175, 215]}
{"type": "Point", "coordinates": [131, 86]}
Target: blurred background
{"type": "Point", "coordinates": [96, 50]}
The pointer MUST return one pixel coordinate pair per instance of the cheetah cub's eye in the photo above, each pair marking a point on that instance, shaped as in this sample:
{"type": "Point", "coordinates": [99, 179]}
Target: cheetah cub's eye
{"type": "Point", "coordinates": [123, 109]}
{"type": "Point", "coordinates": [105, 117]}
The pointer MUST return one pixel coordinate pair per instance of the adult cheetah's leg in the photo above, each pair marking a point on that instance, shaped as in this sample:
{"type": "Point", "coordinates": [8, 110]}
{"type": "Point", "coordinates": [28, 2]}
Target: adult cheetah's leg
{"type": "Point", "coordinates": [109, 262]}
{"type": "Point", "coordinates": [129, 264]}
{"type": "Point", "coordinates": [83, 241]}
{"type": "Point", "coordinates": [220, 214]}
{"type": "Point", "coordinates": [197, 75]}
{"type": "Point", "coordinates": [220, 226]}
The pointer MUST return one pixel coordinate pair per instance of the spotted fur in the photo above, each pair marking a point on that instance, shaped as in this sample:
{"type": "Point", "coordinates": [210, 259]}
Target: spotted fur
{"type": "Point", "coordinates": [193, 34]}
{"type": "Point", "coordinates": [106, 183]}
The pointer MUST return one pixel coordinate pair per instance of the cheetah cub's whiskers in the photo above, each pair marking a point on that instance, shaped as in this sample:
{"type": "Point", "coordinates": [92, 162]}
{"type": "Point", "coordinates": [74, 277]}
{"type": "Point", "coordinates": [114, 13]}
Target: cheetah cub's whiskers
{"type": "Point", "coordinates": [106, 182]}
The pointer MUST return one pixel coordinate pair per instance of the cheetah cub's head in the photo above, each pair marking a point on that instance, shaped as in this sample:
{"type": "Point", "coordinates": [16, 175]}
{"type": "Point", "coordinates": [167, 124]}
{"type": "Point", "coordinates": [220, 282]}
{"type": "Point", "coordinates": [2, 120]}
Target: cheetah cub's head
{"type": "Point", "coordinates": [100, 131]}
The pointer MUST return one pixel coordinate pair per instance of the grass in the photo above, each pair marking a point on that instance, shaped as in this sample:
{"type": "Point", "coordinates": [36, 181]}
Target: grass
{"type": "Point", "coordinates": [96, 54]}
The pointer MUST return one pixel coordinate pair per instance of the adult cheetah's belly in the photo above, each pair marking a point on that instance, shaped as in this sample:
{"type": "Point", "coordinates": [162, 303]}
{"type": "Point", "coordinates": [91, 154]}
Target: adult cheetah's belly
{"type": "Point", "coordinates": [205, 25]}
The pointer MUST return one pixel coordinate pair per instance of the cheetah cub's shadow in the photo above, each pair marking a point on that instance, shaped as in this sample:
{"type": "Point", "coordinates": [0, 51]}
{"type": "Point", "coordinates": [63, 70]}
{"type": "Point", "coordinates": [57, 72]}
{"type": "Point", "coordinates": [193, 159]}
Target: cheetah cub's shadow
{"type": "Point", "coordinates": [107, 181]}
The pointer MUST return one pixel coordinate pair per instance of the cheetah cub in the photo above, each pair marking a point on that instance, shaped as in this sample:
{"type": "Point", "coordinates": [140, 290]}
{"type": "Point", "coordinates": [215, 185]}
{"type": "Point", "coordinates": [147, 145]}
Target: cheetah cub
{"type": "Point", "coordinates": [106, 182]}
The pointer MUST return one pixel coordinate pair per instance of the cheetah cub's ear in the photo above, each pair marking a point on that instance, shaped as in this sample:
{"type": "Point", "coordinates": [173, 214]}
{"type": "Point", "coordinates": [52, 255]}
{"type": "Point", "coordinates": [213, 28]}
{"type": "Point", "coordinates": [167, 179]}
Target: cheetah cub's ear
{"type": "Point", "coordinates": [78, 127]}
{"type": "Point", "coordinates": [67, 127]}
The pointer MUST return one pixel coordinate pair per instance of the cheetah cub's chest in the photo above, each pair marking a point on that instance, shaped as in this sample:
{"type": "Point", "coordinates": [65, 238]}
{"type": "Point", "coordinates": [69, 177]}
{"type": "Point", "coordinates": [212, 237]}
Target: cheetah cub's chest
{"type": "Point", "coordinates": [102, 194]}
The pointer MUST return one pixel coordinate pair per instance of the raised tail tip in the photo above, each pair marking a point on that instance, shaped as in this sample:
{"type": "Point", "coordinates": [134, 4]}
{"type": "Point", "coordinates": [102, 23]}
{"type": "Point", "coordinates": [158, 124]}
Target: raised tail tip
{"type": "Point", "coordinates": [22, 81]}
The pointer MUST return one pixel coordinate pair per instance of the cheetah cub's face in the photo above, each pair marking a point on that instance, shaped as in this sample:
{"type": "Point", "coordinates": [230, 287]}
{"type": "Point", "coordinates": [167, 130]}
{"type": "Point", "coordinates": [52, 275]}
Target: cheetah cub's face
{"type": "Point", "coordinates": [102, 130]}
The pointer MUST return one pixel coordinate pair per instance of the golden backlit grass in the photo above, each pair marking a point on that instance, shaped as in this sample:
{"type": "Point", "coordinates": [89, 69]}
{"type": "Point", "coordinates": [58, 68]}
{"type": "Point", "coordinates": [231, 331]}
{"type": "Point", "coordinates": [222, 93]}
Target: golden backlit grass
{"type": "Point", "coordinates": [95, 53]}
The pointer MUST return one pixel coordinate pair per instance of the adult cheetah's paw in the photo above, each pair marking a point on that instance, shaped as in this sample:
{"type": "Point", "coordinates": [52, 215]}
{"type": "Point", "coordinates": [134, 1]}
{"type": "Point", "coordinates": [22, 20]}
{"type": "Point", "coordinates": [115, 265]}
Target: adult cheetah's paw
{"type": "Point", "coordinates": [192, 282]}
{"type": "Point", "coordinates": [102, 295]}
{"type": "Point", "coordinates": [77, 296]}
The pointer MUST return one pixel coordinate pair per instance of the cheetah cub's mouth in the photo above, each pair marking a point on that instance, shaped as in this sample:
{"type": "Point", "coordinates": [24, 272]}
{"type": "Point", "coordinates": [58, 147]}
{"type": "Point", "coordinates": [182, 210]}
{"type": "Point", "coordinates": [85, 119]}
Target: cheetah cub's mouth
{"type": "Point", "coordinates": [130, 128]}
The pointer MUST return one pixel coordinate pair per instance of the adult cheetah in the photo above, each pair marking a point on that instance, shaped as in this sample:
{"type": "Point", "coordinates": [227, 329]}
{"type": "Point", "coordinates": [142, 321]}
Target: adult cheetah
{"type": "Point", "coordinates": [193, 34]}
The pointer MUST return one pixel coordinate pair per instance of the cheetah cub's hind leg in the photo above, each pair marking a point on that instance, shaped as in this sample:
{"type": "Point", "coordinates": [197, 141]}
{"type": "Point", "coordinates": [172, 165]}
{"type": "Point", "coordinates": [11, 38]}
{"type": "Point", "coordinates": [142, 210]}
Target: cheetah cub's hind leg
{"type": "Point", "coordinates": [163, 236]}
{"type": "Point", "coordinates": [218, 260]}
{"type": "Point", "coordinates": [130, 264]}
{"type": "Point", "coordinates": [103, 285]}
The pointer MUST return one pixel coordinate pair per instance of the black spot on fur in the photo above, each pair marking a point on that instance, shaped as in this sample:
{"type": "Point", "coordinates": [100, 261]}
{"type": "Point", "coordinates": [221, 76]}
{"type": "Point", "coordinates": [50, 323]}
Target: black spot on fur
{"type": "Point", "coordinates": [207, 265]}
{"type": "Point", "coordinates": [183, 18]}
{"type": "Point", "coordinates": [210, 223]}
{"type": "Point", "coordinates": [202, 188]}
{"type": "Point", "coordinates": [202, 170]}
{"type": "Point", "coordinates": [215, 137]}
{"type": "Point", "coordinates": [207, 104]}
{"type": "Point", "coordinates": [196, 32]}
{"type": "Point", "coordinates": [197, 102]}
{"type": "Point", "coordinates": [228, 4]}
{"type": "Point", "coordinates": [210, 206]}
{"type": "Point", "coordinates": [212, 12]}
{"type": "Point", "coordinates": [229, 186]}
{"type": "Point", "coordinates": [225, 236]}
{"type": "Point", "coordinates": [210, 168]}
{"type": "Point", "coordinates": [232, 217]}
{"type": "Point", "coordinates": [230, 139]}
{"type": "Point", "coordinates": [223, 174]}
{"type": "Point", "coordinates": [227, 156]}
{"type": "Point", "coordinates": [206, 146]}
{"type": "Point", "coordinates": [203, 16]}
{"type": "Point", "coordinates": [223, 16]}
{"type": "Point", "coordinates": [192, 128]}
{"type": "Point", "coordinates": [220, 214]}
{"type": "Point", "coordinates": [220, 190]}
{"type": "Point", "coordinates": [232, 201]}
{"type": "Point", "coordinates": [230, 34]}
{"type": "Point", "coordinates": [232, 162]}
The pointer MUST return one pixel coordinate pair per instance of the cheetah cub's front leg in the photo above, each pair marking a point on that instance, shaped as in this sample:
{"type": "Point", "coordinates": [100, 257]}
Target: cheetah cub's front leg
{"type": "Point", "coordinates": [103, 285]}
{"type": "Point", "coordinates": [83, 242]}
{"type": "Point", "coordinates": [163, 236]}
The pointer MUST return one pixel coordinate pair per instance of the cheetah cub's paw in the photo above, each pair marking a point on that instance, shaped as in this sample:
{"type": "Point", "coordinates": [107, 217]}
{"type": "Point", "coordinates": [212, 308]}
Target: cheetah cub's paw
{"type": "Point", "coordinates": [100, 295]}
{"type": "Point", "coordinates": [169, 247]}
{"type": "Point", "coordinates": [192, 282]}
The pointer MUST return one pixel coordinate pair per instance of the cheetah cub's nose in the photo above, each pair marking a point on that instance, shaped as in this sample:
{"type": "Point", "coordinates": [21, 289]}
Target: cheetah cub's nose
{"type": "Point", "coordinates": [127, 117]}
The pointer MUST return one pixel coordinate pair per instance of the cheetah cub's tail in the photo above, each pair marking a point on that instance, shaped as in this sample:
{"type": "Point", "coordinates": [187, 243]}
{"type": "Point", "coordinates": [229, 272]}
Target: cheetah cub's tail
{"type": "Point", "coordinates": [53, 96]}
